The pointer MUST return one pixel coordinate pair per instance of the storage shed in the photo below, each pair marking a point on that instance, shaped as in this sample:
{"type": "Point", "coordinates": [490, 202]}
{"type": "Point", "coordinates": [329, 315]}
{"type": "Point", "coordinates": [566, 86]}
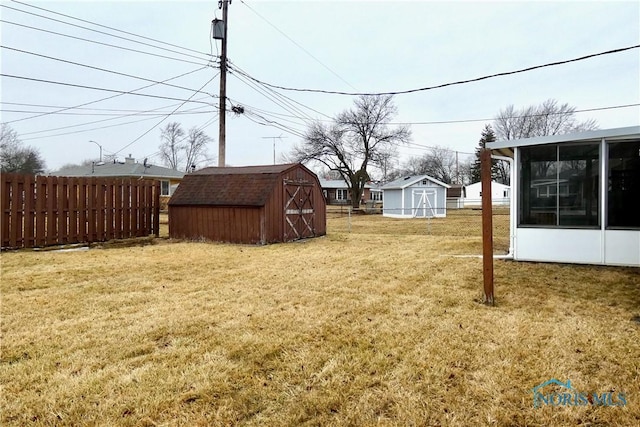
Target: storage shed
{"type": "Point", "coordinates": [575, 197]}
{"type": "Point", "coordinates": [251, 204]}
{"type": "Point", "coordinates": [415, 196]}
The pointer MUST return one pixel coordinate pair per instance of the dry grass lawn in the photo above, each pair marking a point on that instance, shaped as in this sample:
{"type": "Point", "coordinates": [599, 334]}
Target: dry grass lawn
{"type": "Point", "coordinates": [377, 326]}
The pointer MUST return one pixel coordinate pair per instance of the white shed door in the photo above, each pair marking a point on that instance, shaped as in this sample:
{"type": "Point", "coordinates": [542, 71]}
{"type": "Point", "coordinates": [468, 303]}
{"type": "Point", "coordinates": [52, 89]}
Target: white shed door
{"type": "Point", "coordinates": [423, 203]}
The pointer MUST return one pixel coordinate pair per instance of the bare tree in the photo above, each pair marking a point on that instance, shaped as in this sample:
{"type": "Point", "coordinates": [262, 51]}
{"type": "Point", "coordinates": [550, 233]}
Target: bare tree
{"type": "Point", "coordinates": [441, 163]}
{"type": "Point", "coordinates": [15, 156]}
{"type": "Point", "coordinates": [195, 148]}
{"type": "Point", "coordinates": [548, 118]}
{"type": "Point", "coordinates": [182, 152]}
{"type": "Point", "coordinates": [170, 148]}
{"type": "Point", "coordinates": [359, 139]}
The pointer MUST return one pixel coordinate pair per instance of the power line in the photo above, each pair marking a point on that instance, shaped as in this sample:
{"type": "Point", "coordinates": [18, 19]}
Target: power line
{"type": "Point", "coordinates": [235, 67]}
{"type": "Point", "coordinates": [103, 26]}
{"type": "Point", "coordinates": [131, 92]}
{"type": "Point", "coordinates": [167, 116]}
{"type": "Point", "coordinates": [267, 93]}
{"type": "Point", "coordinates": [87, 130]}
{"type": "Point", "coordinates": [119, 111]}
{"type": "Point", "coordinates": [116, 118]}
{"type": "Point", "coordinates": [298, 45]}
{"type": "Point", "coordinates": [114, 115]}
{"type": "Point", "coordinates": [98, 68]}
{"type": "Point", "coordinates": [401, 92]}
{"type": "Point", "coordinates": [442, 122]}
{"type": "Point", "coordinates": [101, 43]}
{"type": "Point", "coordinates": [97, 88]}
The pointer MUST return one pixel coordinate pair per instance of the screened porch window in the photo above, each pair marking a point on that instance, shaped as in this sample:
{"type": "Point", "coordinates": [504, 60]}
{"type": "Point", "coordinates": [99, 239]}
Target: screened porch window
{"type": "Point", "coordinates": [559, 185]}
{"type": "Point", "coordinates": [623, 184]}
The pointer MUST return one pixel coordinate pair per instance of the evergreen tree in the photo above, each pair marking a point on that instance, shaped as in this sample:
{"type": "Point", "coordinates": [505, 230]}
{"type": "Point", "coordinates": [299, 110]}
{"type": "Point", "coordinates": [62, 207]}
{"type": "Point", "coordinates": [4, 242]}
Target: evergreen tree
{"type": "Point", "coordinates": [487, 135]}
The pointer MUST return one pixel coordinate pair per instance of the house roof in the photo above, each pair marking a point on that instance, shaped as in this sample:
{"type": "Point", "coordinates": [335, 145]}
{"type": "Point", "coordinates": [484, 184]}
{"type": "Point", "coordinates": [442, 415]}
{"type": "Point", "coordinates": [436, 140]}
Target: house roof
{"type": "Point", "coordinates": [229, 186]}
{"type": "Point", "coordinates": [455, 190]}
{"type": "Point", "coordinates": [504, 146]}
{"type": "Point", "coordinates": [407, 181]}
{"type": "Point", "coordinates": [493, 184]}
{"type": "Point", "coordinates": [338, 183]}
{"type": "Point", "coordinates": [129, 169]}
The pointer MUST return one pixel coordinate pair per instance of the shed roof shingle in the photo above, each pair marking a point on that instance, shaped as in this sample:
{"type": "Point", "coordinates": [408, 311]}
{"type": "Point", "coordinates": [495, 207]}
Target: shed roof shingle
{"type": "Point", "coordinates": [228, 186]}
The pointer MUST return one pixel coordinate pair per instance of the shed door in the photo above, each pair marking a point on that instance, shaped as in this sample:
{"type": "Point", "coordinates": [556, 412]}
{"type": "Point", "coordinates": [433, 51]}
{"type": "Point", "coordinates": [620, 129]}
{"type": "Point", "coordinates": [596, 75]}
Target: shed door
{"type": "Point", "coordinates": [299, 212]}
{"type": "Point", "coordinates": [423, 203]}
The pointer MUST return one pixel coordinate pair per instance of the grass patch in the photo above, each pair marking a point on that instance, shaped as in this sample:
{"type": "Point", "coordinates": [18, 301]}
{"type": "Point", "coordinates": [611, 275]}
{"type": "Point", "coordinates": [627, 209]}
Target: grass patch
{"type": "Point", "coordinates": [378, 325]}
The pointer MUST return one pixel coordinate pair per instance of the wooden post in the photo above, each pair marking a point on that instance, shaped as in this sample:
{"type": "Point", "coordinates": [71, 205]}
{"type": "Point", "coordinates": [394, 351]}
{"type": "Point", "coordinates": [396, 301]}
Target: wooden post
{"type": "Point", "coordinates": [487, 227]}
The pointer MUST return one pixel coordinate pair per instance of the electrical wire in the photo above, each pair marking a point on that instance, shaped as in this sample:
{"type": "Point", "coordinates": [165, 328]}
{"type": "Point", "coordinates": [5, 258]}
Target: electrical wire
{"type": "Point", "coordinates": [157, 114]}
{"type": "Point", "coordinates": [88, 130]}
{"type": "Point", "coordinates": [108, 97]}
{"type": "Point", "coordinates": [168, 115]}
{"type": "Point", "coordinates": [97, 68]}
{"type": "Point", "coordinates": [460, 82]}
{"type": "Point", "coordinates": [108, 27]}
{"type": "Point", "coordinates": [116, 110]}
{"type": "Point", "coordinates": [113, 115]}
{"type": "Point", "coordinates": [298, 45]}
{"type": "Point", "coordinates": [101, 43]}
{"type": "Point", "coordinates": [284, 105]}
{"type": "Point", "coordinates": [233, 67]}
{"type": "Point", "coordinates": [97, 88]}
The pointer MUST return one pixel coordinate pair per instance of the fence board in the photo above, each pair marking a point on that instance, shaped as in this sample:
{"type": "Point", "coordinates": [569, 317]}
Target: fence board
{"type": "Point", "coordinates": [6, 209]}
{"type": "Point", "coordinates": [42, 211]}
{"type": "Point", "coordinates": [29, 213]}
{"type": "Point", "coordinates": [73, 209]}
{"type": "Point", "coordinates": [16, 212]}
{"type": "Point", "coordinates": [52, 234]}
{"type": "Point", "coordinates": [62, 210]}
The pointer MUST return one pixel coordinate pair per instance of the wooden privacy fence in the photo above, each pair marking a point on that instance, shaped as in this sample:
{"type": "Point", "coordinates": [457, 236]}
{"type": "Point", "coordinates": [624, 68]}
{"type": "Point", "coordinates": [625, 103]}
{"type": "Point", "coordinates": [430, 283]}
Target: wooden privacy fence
{"type": "Point", "coordinates": [49, 210]}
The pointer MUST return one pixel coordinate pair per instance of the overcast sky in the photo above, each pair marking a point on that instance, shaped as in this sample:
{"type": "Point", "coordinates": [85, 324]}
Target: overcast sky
{"type": "Point", "coordinates": [352, 46]}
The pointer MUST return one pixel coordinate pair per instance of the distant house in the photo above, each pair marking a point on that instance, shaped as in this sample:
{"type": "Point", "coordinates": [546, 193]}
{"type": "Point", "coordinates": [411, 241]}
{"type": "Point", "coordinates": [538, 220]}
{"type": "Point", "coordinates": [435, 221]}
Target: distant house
{"type": "Point", "coordinates": [336, 192]}
{"type": "Point", "coordinates": [500, 194]}
{"type": "Point", "coordinates": [169, 178]}
{"type": "Point", "coordinates": [575, 197]}
{"type": "Point", "coordinates": [415, 196]}
{"type": "Point", "coordinates": [249, 204]}
{"type": "Point", "coordinates": [455, 196]}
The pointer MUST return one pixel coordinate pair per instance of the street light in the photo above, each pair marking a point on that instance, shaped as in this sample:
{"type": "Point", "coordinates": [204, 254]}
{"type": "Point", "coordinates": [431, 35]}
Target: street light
{"type": "Point", "coordinates": [100, 149]}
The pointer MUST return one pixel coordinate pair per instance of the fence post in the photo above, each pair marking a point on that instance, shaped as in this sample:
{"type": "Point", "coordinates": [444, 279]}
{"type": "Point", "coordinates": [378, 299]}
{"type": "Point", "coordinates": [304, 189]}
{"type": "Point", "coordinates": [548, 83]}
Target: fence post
{"type": "Point", "coordinates": [487, 227]}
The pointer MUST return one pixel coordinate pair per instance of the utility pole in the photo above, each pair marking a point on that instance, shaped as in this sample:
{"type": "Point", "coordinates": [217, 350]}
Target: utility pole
{"type": "Point", "coordinates": [274, 144]}
{"type": "Point", "coordinates": [222, 135]}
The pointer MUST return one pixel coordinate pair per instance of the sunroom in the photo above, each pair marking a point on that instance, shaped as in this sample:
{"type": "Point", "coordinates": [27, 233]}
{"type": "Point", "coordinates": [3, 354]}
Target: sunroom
{"type": "Point", "coordinates": [576, 198]}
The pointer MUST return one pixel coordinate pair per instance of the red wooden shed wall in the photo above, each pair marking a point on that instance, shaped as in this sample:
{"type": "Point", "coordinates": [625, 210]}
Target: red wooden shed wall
{"type": "Point", "coordinates": [246, 224]}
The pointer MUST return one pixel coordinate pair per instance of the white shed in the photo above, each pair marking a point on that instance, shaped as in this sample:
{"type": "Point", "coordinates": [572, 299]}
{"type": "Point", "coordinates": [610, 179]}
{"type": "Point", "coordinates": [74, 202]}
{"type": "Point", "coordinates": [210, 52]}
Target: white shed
{"type": "Point", "coordinates": [415, 196]}
{"type": "Point", "coordinates": [500, 194]}
{"type": "Point", "coordinates": [575, 196]}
